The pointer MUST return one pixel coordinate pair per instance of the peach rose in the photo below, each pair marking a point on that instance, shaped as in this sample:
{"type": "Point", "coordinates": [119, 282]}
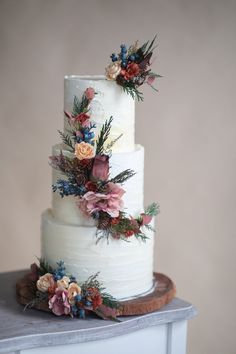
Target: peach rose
{"type": "Point", "coordinates": [63, 282]}
{"type": "Point", "coordinates": [113, 70]}
{"type": "Point", "coordinates": [73, 290]}
{"type": "Point", "coordinates": [84, 151]}
{"type": "Point", "coordinates": [45, 282]}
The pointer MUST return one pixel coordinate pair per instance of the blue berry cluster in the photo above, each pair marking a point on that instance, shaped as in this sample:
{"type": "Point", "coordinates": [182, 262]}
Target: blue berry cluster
{"type": "Point", "coordinates": [77, 311]}
{"type": "Point", "coordinates": [87, 135]}
{"type": "Point", "coordinates": [114, 57]}
{"type": "Point", "coordinates": [123, 55]}
{"type": "Point", "coordinates": [125, 59]}
{"type": "Point", "coordinates": [59, 273]}
{"type": "Point", "coordinates": [68, 187]}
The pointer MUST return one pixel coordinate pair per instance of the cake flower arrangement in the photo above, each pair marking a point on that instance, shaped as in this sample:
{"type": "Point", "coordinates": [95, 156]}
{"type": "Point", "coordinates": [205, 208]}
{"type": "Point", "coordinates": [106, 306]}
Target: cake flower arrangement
{"type": "Point", "coordinates": [131, 68]}
{"type": "Point", "coordinates": [62, 294]}
{"type": "Point", "coordinates": [87, 173]}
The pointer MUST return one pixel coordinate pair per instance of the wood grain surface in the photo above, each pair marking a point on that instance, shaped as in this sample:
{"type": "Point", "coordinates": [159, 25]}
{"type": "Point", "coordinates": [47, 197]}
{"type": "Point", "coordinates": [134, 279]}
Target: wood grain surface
{"type": "Point", "coordinates": [163, 292]}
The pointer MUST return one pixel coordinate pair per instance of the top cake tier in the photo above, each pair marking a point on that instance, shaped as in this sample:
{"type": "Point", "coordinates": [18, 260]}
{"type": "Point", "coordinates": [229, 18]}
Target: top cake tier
{"type": "Point", "coordinates": [110, 100]}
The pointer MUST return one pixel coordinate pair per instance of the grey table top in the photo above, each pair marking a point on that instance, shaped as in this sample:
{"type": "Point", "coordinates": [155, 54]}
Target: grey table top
{"type": "Point", "coordinates": [31, 328]}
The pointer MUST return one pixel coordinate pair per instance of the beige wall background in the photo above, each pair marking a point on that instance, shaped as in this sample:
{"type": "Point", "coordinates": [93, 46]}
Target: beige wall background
{"type": "Point", "coordinates": [188, 129]}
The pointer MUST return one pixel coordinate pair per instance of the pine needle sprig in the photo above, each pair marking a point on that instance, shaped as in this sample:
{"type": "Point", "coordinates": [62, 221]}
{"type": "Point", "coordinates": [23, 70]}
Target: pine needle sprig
{"type": "Point", "coordinates": [142, 237]}
{"type": "Point", "coordinates": [84, 104]}
{"type": "Point", "coordinates": [123, 176]}
{"type": "Point", "coordinates": [152, 210]}
{"type": "Point", "coordinates": [103, 234]}
{"type": "Point", "coordinates": [133, 92]}
{"type": "Point", "coordinates": [149, 227]}
{"type": "Point", "coordinates": [103, 136]}
{"type": "Point", "coordinates": [76, 106]}
{"type": "Point", "coordinates": [109, 301]}
{"type": "Point", "coordinates": [92, 282]}
{"type": "Point", "coordinates": [44, 267]}
{"type": "Point", "coordinates": [67, 140]}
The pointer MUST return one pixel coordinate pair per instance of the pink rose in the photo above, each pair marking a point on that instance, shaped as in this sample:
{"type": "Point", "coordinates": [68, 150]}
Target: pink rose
{"type": "Point", "coordinates": [59, 302]}
{"type": "Point", "coordinates": [90, 93]}
{"type": "Point", "coordinates": [100, 168]}
{"type": "Point", "coordinates": [110, 203]}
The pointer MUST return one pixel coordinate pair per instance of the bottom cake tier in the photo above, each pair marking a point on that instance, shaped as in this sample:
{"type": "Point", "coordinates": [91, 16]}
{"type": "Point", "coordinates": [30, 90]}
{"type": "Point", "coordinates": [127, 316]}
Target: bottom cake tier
{"type": "Point", "coordinates": [125, 268]}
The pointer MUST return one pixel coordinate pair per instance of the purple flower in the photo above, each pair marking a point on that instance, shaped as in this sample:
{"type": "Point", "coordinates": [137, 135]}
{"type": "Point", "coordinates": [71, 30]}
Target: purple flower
{"type": "Point", "coordinates": [100, 168]}
{"type": "Point", "coordinates": [59, 302]}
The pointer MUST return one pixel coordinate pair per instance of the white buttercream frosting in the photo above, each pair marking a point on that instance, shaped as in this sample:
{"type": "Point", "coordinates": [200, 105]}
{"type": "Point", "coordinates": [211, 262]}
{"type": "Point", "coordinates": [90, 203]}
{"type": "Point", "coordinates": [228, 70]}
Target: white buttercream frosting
{"type": "Point", "coordinates": [66, 210]}
{"type": "Point", "coordinates": [110, 100]}
{"type": "Point", "coordinates": [126, 268]}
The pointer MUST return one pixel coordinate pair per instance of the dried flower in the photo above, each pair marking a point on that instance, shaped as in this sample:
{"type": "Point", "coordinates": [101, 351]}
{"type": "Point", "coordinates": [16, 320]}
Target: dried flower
{"type": "Point", "coordinates": [146, 219]}
{"type": "Point", "coordinates": [84, 151]}
{"type": "Point", "coordinates": [131, 71]}
{"type": "Point", "coordinates": [113, 70]}
{"type": "Point", "coordinates": [100, 168]}
{"type": "Point", "coordinates": [151, 79]}
{"type": "Point", "coordinates": [95, 297]}
{"type": "Point", "coordinates": [91, 186]}
{"type": "Point", "coordinates": [34, 272]}
{"type": "Point", "coordinates": [58, 303]}
{"type": "Point", "coordinates": [129, 233]}
{"type": "Point", "coordinates": [73, 290]}
{"type": "Point", "coordinates": [115, 221]}
{"type": "Point", "coordinates": [110, 203]}
{"type": "Point", "coordinates": [82, 118]}
{"type": "Point", "coordinates": [45, 281]}
{"type": "Point", "coordinates": [63, 282]}
{"type": "Point", "coordinates": [90, 93]}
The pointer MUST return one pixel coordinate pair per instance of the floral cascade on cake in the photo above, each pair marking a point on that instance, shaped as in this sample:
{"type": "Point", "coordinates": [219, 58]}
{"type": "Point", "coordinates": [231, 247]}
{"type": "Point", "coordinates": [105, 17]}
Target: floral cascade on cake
{"type": "Point", "coordinates": [130, 68]}
{"type": "Point", "coordinates": [87, 175]}
{"type": "Point", "coordinates": [62, 294]}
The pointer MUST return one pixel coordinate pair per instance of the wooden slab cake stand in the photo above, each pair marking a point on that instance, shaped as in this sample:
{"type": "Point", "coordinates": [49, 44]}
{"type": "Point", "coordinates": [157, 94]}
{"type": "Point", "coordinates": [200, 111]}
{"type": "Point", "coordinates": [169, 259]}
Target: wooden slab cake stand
{"type": "Point", "coordinates": [163, 292]}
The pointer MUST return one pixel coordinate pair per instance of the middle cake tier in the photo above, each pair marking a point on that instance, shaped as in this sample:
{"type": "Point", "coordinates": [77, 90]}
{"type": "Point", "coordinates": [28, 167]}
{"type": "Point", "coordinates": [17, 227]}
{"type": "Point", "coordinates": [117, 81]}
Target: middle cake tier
{"type": "Point", "coordinates": [66, 209]}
